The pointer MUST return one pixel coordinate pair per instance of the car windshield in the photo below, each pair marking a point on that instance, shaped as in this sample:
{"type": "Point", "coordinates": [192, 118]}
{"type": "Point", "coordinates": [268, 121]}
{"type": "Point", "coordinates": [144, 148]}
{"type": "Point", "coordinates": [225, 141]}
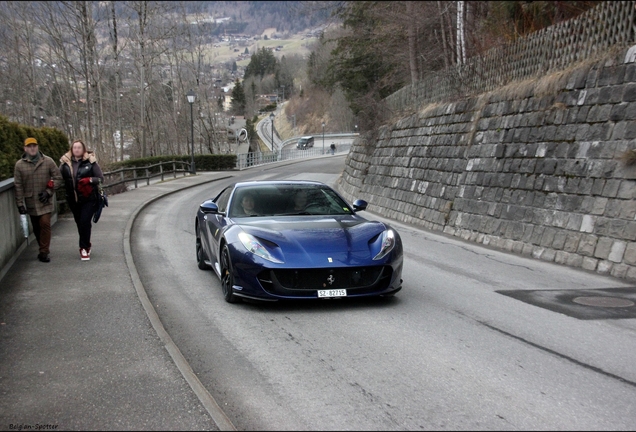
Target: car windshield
{"type": "Point", "coordinates": [286, 200]}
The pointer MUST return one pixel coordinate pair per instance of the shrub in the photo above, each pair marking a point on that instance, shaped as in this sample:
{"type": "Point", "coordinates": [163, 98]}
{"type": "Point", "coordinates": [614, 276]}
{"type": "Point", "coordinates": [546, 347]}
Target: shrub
{"type": "Point", "coordinates": [270, 107]}
{"type": "Point", "coordinates": [52, 142]}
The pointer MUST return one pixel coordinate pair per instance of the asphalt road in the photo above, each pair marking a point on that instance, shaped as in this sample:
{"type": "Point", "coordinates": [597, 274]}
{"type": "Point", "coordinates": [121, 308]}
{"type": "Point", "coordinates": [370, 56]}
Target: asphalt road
{"type": "Point", "coordinates": [460, 347]}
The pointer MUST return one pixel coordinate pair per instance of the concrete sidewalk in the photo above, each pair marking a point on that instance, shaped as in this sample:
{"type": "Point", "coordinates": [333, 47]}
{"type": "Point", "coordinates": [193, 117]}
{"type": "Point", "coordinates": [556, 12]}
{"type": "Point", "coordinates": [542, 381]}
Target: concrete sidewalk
{"type": "Point", "coordinates": [80, 345]}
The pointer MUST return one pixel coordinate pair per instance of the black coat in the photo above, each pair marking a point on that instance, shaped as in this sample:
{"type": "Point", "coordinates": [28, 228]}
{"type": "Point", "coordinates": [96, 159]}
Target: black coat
{"type": "Point", "coordinates": [87, 168]}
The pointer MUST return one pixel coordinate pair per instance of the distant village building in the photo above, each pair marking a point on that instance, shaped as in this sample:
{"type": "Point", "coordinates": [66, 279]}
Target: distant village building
{"type": "Point", "coordinates": [265, 99]}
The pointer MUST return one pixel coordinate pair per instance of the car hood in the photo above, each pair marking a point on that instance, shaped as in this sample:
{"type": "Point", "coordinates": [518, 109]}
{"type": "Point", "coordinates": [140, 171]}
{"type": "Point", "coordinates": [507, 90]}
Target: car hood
{"type": "Point", "coordinates": [307, 241]}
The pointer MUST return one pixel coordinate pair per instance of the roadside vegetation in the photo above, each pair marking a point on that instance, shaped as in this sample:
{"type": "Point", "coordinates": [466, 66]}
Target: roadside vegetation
{"type": "Point", "coordinates": [378, 47]}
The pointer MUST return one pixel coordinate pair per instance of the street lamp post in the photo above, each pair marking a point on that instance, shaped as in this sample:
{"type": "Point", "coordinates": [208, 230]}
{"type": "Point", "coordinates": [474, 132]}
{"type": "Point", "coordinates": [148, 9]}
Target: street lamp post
{"type": "Point", "coordinates": [191, 96]}
{"type": "Point", "coordinates": [323, 137]}
{"type": "Point", "coordinates": [271, 119]}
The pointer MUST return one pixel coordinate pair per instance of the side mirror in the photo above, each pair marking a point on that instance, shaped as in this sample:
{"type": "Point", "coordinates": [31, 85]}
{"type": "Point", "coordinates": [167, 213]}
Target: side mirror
{"type": "Point", "coordinates": [360, 205]}
{"type": "Point", "coordinates": [209, 207]}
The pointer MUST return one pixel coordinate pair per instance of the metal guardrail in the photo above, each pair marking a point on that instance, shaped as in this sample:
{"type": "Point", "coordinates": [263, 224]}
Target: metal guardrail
{"type": "Point", "coordinates": [123, 178]}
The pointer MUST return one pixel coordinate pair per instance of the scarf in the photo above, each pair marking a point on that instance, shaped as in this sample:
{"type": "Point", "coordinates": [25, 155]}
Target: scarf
{"type": "Point", "coordinates": [34, 159]}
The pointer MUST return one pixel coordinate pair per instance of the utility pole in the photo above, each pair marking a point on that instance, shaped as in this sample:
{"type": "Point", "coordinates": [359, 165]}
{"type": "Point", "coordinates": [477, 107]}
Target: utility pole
{"type": "Point", "coordinates": [323, 137]}
{"type": "Point", "coordinates": [143, 110]}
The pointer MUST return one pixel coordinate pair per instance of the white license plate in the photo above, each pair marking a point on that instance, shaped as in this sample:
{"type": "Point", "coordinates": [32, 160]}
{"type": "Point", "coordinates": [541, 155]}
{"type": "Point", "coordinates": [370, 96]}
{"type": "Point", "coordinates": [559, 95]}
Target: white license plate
{"type": "Point", "coordinates": [332, 293]}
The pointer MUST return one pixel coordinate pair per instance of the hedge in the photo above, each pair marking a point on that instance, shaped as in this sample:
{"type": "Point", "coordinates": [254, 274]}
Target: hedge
{"type": "Point", "coordinates": [52, 142]}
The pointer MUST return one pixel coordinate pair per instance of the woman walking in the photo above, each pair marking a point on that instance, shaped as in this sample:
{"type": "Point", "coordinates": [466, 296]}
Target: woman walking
{"type": "Point", "coordinates": [82, 176]}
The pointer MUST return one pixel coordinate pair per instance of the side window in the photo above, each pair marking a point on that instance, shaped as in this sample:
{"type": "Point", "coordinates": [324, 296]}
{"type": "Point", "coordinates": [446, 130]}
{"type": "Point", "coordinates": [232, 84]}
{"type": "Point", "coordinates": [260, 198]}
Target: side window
{"type": "Point", "coordinates": [223, 198]}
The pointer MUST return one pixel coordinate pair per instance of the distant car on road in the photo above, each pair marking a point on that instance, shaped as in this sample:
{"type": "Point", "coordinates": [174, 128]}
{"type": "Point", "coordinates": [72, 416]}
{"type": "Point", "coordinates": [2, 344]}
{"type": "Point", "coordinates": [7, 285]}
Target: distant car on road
{"type": "Point", "coordinates": [305, 142]}
{"type": "Point", "coordinates": [275, 240]}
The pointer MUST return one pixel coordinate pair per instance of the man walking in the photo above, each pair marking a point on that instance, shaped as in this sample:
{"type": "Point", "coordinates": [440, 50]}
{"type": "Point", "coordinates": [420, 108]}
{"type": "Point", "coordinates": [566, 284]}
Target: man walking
{"type": "Point", "coordinates": [36, 177]}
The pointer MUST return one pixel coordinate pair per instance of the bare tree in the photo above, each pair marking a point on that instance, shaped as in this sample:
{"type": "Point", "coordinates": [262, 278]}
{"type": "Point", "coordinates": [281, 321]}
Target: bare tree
{"type": "Point", "coordinates": [20, 66]}
{"type": "Point", "coordinates": [412, 38]}
{"type": "Point", "coordinates": [150, 26]}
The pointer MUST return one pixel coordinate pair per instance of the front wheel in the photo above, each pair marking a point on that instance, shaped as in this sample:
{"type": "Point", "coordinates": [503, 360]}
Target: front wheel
{"type": "Point", "coordinates": [200, 254]}
{"type": "Point", "coordinates": [227, 276]}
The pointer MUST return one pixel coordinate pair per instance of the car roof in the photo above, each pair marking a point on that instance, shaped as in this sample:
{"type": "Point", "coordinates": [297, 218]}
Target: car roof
{"type": "Point", "coordinates": [279, 182]}
{"type": "Point", "coordinates": [306, 137]}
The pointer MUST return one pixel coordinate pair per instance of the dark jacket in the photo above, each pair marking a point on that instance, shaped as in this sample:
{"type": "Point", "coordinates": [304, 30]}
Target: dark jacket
{"type": "Point", "coordinates": [87, 168]}
{"type": "Point", "coordinates": [30, 179]}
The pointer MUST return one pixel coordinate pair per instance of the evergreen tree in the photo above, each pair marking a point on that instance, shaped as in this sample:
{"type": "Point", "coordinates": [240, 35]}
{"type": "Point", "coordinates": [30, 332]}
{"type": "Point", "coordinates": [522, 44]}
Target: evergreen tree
{"type": "Point", "coordinates": [285, 76]}
{"type": "Point", "coordinates": [253, 91]}
{"type": "Point", "coordinates": [251, 132]}
{"type": "Point", "coordinates": [261, 63]}
{"type": "Point", "coordinates": [358, 63]}
{"type": "Point", "coordinates": [238, 98]}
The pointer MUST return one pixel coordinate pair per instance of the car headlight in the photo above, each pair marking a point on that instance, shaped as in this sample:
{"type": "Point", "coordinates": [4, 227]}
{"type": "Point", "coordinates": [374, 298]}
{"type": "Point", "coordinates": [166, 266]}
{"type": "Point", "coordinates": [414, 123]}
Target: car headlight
{"type": "Point", "coordinates": [388, 243]}
{"type": "Point", "coordinates": [254, 246]}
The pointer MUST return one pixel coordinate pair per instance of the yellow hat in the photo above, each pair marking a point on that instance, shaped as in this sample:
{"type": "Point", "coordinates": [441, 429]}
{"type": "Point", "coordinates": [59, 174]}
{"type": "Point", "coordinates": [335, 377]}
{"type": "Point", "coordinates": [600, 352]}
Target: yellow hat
{"type": "Point", "coordinates": [30, 141]}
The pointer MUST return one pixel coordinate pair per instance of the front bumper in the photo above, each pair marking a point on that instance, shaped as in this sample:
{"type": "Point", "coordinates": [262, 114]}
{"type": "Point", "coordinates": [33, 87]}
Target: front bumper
{"type": "Point", "coordinates": [274, 283]}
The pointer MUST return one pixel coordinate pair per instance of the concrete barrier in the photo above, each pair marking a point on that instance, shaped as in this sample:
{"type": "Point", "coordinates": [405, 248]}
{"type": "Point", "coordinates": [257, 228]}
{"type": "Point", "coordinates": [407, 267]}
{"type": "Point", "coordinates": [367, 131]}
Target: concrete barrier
{"type": "Point", "coordinates": [12, 241]}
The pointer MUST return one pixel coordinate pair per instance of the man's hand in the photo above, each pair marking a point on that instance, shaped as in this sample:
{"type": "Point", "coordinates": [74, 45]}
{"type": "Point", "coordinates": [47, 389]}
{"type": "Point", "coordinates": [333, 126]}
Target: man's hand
{"type": "Point", "coordinates": [22, 209]}
{"type": "Point", "coordinates": [44, 197]}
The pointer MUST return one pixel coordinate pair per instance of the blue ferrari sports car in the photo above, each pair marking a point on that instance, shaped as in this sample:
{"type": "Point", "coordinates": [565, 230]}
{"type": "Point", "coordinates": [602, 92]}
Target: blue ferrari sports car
{"type": "Point", "coordinates": [274, 240]}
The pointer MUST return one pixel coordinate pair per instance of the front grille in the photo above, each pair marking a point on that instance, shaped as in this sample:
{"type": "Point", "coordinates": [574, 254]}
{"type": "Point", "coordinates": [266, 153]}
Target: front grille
{"type": "Point", "coordinates": [304, 282]}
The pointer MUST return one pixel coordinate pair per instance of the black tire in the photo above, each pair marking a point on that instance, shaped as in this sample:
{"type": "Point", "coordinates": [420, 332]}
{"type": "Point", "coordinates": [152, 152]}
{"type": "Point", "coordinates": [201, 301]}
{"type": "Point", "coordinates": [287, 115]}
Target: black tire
{"type": "Point", "coordinates": [200, 253]}
{"type": "Point", "coordinates": [227, 276]}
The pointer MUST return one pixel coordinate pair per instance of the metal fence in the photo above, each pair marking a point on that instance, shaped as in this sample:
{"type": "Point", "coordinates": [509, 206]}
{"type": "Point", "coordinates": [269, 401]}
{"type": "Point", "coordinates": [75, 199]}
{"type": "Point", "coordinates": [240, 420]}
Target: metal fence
{"type": "Point", "coordinates": [553, 48]}
{"type": "Point", "coordinates": [123, 176]}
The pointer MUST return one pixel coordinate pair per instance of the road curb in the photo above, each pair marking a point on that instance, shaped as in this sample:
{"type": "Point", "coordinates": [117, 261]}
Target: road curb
{"type": "Point", "coordinates": [210, 404]}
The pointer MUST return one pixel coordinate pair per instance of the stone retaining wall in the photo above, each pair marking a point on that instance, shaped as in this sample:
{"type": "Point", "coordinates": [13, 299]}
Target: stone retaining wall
{"type": "Point", "coordinates": [537, 167]}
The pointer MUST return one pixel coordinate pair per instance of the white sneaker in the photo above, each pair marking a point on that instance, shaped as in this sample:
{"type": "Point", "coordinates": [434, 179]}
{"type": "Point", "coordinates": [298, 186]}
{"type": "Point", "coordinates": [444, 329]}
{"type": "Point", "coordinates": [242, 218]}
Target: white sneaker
{"type": "Point", "coordinates": [85, 255]}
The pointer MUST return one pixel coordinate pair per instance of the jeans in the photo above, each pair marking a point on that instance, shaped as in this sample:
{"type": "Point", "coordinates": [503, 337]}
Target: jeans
{"type": "Point", "coordinates": [83, 213]}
